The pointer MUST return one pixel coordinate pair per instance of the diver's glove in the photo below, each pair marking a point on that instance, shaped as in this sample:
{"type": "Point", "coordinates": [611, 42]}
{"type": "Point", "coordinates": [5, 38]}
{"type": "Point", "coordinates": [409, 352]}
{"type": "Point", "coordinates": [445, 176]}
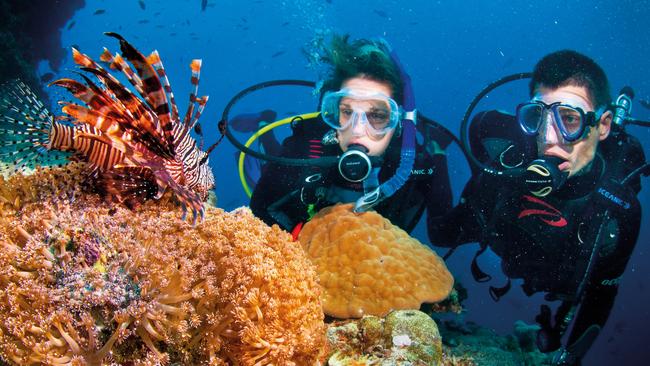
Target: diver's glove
{"type": "Point", "coordinates": [571, 355]}
{"type": "Point", "coordinates": [549, 338]}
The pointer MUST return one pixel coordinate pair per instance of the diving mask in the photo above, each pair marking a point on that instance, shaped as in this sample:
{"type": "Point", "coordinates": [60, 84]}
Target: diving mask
{"type": "Point", "coordinates": [377, 112]}
{"type": "Point", "coordinates": [571, 121]}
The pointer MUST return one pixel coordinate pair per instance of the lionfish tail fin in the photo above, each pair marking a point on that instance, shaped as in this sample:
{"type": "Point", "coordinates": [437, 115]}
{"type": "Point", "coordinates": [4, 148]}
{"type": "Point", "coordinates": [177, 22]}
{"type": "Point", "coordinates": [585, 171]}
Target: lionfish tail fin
{"type": "Point", "coordinates": [25, 128]}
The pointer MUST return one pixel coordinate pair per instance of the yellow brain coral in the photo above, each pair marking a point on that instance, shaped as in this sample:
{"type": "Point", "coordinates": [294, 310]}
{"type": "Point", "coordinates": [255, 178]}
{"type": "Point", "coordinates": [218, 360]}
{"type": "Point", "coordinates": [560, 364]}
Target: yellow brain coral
{"type": "Point", "coordinates": [367, 266]}
{"type": "Point", "coordinates": [84, 283]}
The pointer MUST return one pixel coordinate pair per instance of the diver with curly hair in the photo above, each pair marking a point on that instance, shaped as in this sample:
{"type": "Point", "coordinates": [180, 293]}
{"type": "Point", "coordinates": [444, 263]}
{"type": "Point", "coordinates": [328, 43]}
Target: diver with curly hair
{"type": "Point", "coordinates": [367, 118]}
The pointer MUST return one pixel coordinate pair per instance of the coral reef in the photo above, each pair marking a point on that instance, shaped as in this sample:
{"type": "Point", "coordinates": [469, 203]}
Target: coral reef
{"type": "Point", "coordinates": [43, 184]}
{"type": "Point", "coordinates": [86, 283]}
{"type": "Point", "coordinates": [367, 266]}
{"type": "Point", "coordinates": [470, 344]}
{"type": "Point", "coordinates": [404, 337]}
{"type": "Point", "coordinates": [27, 36]}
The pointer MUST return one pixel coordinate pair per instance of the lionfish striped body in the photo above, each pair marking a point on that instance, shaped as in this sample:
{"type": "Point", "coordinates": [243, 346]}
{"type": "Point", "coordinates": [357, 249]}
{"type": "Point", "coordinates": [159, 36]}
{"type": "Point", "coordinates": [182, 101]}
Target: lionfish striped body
{"type": "Point", "coordinates": [140, 146]}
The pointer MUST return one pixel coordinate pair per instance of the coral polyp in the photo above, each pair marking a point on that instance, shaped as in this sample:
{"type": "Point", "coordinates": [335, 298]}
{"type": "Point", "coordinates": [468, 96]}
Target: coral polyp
{"type": "Point", "coordinates": [86, 283]}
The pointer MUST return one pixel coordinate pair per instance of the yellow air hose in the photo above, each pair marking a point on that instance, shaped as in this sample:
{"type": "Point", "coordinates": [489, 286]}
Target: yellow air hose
{"type": "Point", "coordinates": [256, 135]}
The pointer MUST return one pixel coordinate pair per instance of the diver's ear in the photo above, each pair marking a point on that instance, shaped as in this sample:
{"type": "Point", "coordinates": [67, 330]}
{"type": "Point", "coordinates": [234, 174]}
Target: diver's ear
{"type": "Point", "coordinates": [604, 125]}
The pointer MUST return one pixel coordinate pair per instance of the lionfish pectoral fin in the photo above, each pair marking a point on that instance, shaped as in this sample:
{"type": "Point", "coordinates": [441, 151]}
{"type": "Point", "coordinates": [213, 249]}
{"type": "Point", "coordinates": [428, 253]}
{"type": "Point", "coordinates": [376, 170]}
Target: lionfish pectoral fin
{"type": "Point", "coordinates": [129, 185]}
{"type": "Point", "coordinates": [184, 208]}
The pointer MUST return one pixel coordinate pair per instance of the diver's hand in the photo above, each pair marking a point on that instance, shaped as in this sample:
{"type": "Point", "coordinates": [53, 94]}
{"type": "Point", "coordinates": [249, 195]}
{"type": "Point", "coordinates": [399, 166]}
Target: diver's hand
{"type": "Point", "coordinates": [548, 337]}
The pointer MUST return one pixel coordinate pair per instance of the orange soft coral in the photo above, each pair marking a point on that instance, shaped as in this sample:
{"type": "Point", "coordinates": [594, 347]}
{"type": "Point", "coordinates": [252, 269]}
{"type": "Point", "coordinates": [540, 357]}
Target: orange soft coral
{"type": "Point", "coordinates": [42, 184]}
{"type": "Point", "coordinates": [87, 283]}
{"type": "Point", "coordinates": [369, 266]}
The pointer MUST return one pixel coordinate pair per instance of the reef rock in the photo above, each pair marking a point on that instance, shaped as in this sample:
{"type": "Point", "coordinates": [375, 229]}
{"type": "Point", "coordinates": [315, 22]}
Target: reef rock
{"type": "Point", "coordinates": [404, 337]}
{"type": "Point", "coordinates": [86, 283]}
{"type": "Point", "coordinates": [471, 344]}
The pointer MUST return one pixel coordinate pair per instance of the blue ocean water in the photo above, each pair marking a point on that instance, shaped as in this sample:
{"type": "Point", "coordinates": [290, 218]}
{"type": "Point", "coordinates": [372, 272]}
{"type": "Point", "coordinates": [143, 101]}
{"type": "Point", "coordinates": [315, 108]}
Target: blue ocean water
{"type": "Point", "coordinates": [451, 49]}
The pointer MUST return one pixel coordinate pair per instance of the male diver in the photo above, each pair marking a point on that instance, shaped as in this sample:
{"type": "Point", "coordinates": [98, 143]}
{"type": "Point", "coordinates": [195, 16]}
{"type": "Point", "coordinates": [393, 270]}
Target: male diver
{"type": "Point", "coordinates": [367, 119]}
{"type": "Point", "coordinates": [555, 200]}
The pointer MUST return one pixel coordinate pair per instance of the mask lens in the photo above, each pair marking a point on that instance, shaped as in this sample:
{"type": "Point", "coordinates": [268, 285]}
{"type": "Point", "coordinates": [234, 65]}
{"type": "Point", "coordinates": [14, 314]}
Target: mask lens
{"type": "Point", "coordinates": [330, 112]}
{"type": "Point", "coordinates": [379, 119]}
{"type": "Point", "coordinates": [345, 115]}
{"type": "Point", "coordinates": [530, 116]}
{"type": "Point", "coordinates": [571, 120]}
{"type": "Point", "coordinates": [377, 112]}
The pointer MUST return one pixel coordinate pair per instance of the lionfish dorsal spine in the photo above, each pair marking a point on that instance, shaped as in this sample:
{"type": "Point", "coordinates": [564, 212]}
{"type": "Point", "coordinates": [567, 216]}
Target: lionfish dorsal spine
{"type": "Point", "coordinates": [155, 61]}
{"type": "Point", "coordinates": [195, 66]}
{"type": "Point", "coordinates": [120, 105]}
{"type": "Point", "coordinates": [153, 90]}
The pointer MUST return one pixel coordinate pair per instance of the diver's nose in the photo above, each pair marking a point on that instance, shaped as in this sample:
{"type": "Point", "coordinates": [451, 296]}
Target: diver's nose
{"type": "Point", "coordinates": [357, 124]}
{"type": "Point", "coordinates": [549, 131]}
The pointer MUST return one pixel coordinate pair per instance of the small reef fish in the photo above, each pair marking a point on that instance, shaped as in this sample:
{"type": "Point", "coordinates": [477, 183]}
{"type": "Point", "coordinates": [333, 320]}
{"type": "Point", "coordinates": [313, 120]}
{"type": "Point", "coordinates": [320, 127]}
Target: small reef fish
{"type": "Point", "coordinates": [204, 4]}
{"type": "Point", "coordinates": [72, 23]}
{"type": "Point", "coordinates": [143, 21]}
{"type": "Point", "coordinates": [645, 103]}
{"type": "Point", "coordinates": [47, 77]}
{"type": "Point", "coordinates": [99, 11]}
{"type": "Point", "coordinates": [198, 130]}
{"type": "Point", "coordinates": [381, 13]}
{"type": "Point", "coordinates": [143, 6]}
{"type": "Point", "coordinates": [248, 122]}
{"type": "Point", "coordinates": [279, 53]}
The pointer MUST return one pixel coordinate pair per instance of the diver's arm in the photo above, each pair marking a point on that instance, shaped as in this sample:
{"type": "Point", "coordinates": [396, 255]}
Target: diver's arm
{"type": "Point", "coordinates": [275, 188]}
{"type": "Point", "coordinates": [601, 292]}
{"type": "Point", "coordinates": [492, 142]}
{"type": "Point", "coordinates": [461, 224]}
{"type": "Point", "coordinates": [437, 191]}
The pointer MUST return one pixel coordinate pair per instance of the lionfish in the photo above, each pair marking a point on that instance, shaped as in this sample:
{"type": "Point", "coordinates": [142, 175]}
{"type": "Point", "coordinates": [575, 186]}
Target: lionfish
{"type": "Point", "coordinates": [137, 147]}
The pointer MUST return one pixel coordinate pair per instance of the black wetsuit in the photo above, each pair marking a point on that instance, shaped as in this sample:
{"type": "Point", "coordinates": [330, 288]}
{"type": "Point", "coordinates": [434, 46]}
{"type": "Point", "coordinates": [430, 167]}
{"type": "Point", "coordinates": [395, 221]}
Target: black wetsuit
{"type": "Point", "coordinates": [544, 241]}
{"type": "Point", "coordinates": [277, 196]}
